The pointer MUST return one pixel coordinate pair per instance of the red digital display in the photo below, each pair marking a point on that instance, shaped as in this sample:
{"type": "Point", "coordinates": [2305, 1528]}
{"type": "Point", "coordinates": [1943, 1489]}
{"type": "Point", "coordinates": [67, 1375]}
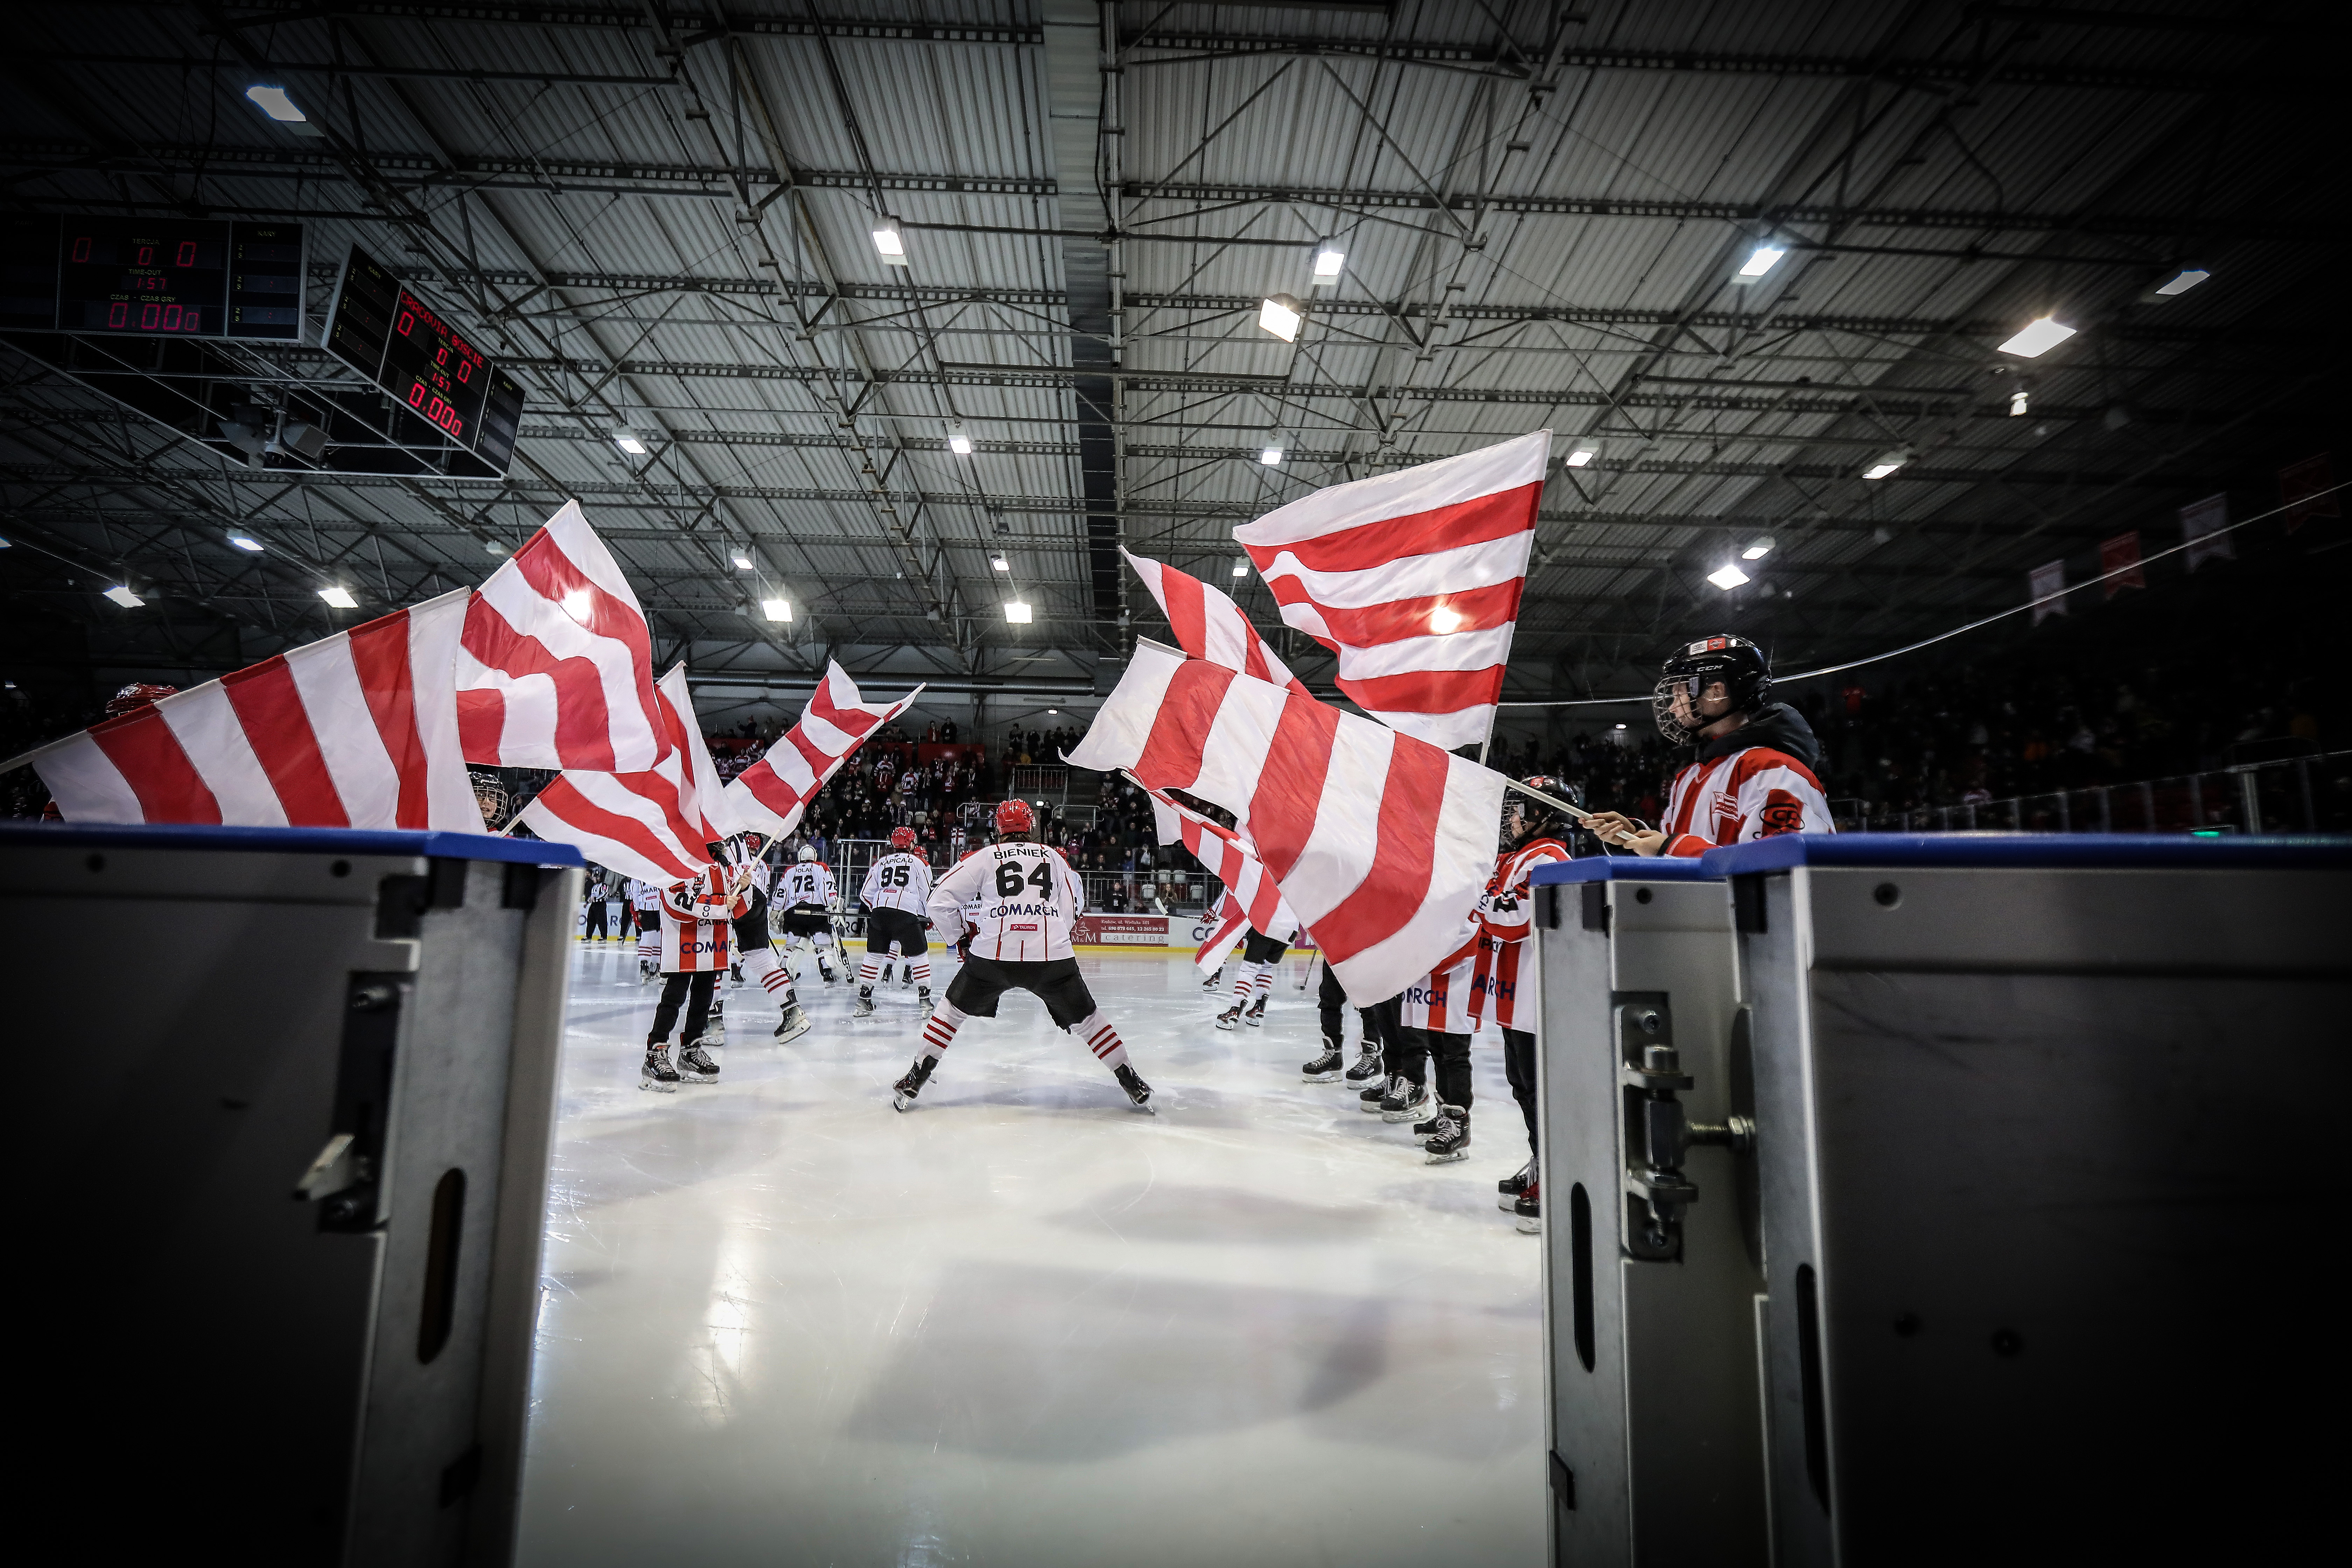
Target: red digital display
{"type": "Point", "coordinates": [430, 366]}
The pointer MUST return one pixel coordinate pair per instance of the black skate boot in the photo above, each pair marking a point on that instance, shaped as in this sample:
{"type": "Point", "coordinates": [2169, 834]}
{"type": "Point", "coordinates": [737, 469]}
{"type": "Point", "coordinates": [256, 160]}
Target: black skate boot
{"type": "Point", "coordinates": [923, 1003]}
{"type": "Point", "coordinates": [1452, 1139]}
{"type": "Point", "coordinates": [1366, 1073]}
{"type": "Point", "coordinates": [1529, 1208]}
{"type": "Point", "coordinates": [903, 1093]}
{"type": "Point", "coordinates": [1256, 1014]}
{"type": "Point", "coordinates": [1511, 1186]}
{"type": "Point", "coordinates": [1376, 1091]}
{"type": "Point", "coordinates": [1404, 1101]}
{"type": "Point", "coordinates": [735, 972]}
{"type": "Point", "coordinates": [1429, 1128]}
{"type": "Point", "coordinates": [1137, 1090]}
{"type": "Point", "coordinates": [695, 1066]}
{"type": "Point", "coordinates": [1230, 1016]}
{"type": "Point", "coordinates": [886, 974]}
{"type": "Point", "coordinates": [1324, 1069]}
{"type": "Point", "coordinates": [1211, 982]}
{"type": "Point", "coordinates": [795, 1024]}
{"type": "Point", "coordinates": [865, 1009]}
{"type": "Point", "coordinates": [658, 1075]}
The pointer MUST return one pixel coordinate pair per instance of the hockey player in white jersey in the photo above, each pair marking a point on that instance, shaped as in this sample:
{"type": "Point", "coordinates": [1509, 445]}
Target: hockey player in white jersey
{"type": "Point", "coordinates": [645, 901]}
{"type": "Point", "coordinates": [806, 898]}
{"type": "Point", "coordinates": [754, 955]}
{"type": "Point", "coordinates": [897, 893]}
{"type": "Point", "coordinates": [1019, 941]}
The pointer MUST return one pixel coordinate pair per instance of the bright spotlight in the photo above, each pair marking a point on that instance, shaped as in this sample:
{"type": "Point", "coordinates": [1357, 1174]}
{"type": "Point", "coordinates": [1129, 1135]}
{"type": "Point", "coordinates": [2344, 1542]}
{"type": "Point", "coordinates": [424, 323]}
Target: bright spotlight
{"type": "Point", "coordinates": [124, 597]}
{"type": "Point", "coordinates": [742, 562]}
{"type": "Point", "coordinates": [957, 442]}
{"type": "Point", "coordinates": [1727, 576]}
{"type": "Point", "coordinates": [2038, 337]}
{"type": "Point", "coordinates": [889, 244]}
{"type": "Point", "coordinates": [340, 597]}
{"type": "Point", "coordinates": [1328, 263]}
{"type": "Point", "coordinates": [2181, 281]}
{"type": "Point", "coordinates": [1270, 455]}
{"type": "Point", "coordinates": [1017, 612]}
{"type": "Point", "coordinates": [273, 102]}
{"type": "Point", "coordinates": [1280, 314]}
{"type": "Point", "coordinates": [1580, 457]}
{"type": "Point", "coordinates": [1241, 565]}
{"type": "Point", "coordinates": [776, 609]}
{"type": "Point", "coordinates": [999, 564]}
{"type": "Point", "coordinates": [1885, 463]}
{"type": "Point", "coordinates": [627, 442]}
{"type": "Point", "coordinates": [246, 542]}
{"type": "Point", "coordinates": [1760, 259]}
{"type": "Point", "coordinates": [1758, 550]}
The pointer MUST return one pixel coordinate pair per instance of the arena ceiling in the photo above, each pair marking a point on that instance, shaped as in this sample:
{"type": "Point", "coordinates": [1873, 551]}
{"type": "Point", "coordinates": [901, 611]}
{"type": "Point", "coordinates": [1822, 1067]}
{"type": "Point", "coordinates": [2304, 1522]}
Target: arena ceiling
{"type": "Point", "coordinates": [662, 219]}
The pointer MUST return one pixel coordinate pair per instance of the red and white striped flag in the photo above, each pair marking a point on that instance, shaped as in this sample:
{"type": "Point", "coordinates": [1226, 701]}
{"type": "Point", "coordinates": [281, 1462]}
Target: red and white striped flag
{"type": "Point", "coordinates": [653, 825]}
{"type": "Point", "coordinates": [1208, 625]}
{"type": "Point", "coordinates": [358, 730]}
{"type": "Point", "coordinates": [770, 795]}
{"type": "Point", "coordinates": [1413, 579]}
{"type": "Point", "coordinates": [556, 668]}
{"type": "Point", "coordinates": [1381, 842]}
{"type": "Point", "coordinates": [1251, 891]}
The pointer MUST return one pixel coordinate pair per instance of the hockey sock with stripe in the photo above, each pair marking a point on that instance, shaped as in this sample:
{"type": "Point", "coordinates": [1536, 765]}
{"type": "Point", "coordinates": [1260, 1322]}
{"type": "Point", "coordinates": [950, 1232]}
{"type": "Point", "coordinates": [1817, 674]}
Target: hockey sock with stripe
{"type": "Point", "coordinates": [867, 969]}
{"type": "Point", "coordinates": [940, 1030]}
{"type": "Point", "coordinates": [921, 969]}
{"type": "Point", "coordinates": [1263, 982]}
{"type": "Point", "coordinates": [1102, 1040]}
{"type": "Point", "coordinates": [1242, 985]}
{"type": "Point", "coordinates": [762, 965]}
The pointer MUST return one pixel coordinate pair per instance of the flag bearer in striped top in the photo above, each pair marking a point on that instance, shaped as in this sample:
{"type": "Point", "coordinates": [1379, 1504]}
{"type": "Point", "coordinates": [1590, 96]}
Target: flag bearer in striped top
{"type": "Point", "coordinates": [1020, 942]}
{"type": "Point", "coordinates": [897, 892]}
{"type": "Point", "coordinates": [1534, 833]}
{"type": "Point", "coordinates": [696, 919]}
{"type": "Point", "coordinates": [1260, 953]}
{"type": "Point", "coordinates": [756, 955]}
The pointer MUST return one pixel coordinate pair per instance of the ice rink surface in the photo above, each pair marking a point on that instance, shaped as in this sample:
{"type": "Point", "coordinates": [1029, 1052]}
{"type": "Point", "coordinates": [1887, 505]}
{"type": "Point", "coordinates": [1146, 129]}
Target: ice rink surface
{"type": "Point", "coordinates": [1024, 1325]}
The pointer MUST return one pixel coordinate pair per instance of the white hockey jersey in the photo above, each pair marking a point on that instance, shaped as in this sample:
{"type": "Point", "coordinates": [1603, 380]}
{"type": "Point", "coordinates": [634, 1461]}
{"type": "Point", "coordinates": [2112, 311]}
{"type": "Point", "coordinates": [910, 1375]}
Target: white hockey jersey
{"type": "Point", "coordinates": [805, 882]}
{"type": "Point", "coordinates": [899, 881]}
{"type": "Point", "coordinates": [646, 896]}
{"type": "Point", "coordinates": [1028, 896]}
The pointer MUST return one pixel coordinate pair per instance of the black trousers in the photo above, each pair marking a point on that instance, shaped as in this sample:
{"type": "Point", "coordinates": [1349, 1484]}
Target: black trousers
{"type": "Point", "coordinates": [1330, 998]}
{"type": "Point", "coordinates": [1519, 1066]}
{"type": "Point", "coordinates": [595, 929]}
{"type": "Point", "coordinates": [1410, 1057]}
{"type": "Point", "coordinates": [752, 926]}
{"type": "Point", "coordinates": [692, 990]}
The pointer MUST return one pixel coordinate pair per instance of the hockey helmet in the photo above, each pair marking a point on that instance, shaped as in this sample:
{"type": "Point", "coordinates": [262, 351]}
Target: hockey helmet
{"type": "Point", "coordinates": [1738, 664]}
{"type": "Point", "coordinates": [490, 796]}
{"type": "Point", "coordinates": [1526, 818]}
{"type": "Point", "coordinates": [755, 844]}
{"type": "Point", "coordinates": [137, 695]}
{"type": "Point", "coordinates": [1013, 818]}
{"type": "Point", "coordinates": [902, 838]}
{"type": "Point", "coordinates": [808, 851]}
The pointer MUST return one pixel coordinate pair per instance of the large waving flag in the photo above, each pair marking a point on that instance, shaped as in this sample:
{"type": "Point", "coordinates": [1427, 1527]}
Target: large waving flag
{"type": "Point", "coordinates": [655, 825]}
{"type": "Point", "coordinates": [1208, 625]}
{"type": "Point", "coordinates": [556, 667]}
{"type": "Point", "coordinates": [770, 795]}
{"type": "Point", "coordinates": [358, 730]}
{"type": "Point", "coordinates": [1251, 892]}
{"type": "Point", "coordinates": [1379, 842]}
{"type": "Point", "coordinates": [1413, 579]}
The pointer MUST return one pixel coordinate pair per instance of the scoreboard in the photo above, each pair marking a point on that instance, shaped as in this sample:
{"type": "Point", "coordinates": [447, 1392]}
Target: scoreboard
{"type": "Point", "coordinates": [385, 330]}
{"type": "Point", "coordinates": [190, 277]}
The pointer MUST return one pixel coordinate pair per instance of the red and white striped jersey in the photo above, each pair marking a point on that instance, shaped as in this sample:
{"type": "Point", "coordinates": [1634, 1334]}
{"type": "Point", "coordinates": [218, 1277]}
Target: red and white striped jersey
{"type": "Point", "coordinates": [696, 929]}
{"type": "Point", "coordinates": [1028, 896]}
{"type": "Point", "coordinates": [1748, 795]}
{"type": "Point", "coordinates": [899, 881]}
{"type": "Point", "coordinates": [805, 882]}
{"type": "Point", "coordinates": [1440, 1000]}
{"type": "Point", "coordinates": [1504, 915]}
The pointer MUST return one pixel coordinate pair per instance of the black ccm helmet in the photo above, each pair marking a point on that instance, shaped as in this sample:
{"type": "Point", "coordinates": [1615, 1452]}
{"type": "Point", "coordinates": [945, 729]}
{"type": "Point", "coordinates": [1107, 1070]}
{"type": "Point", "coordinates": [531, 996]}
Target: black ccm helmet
{"type": "Point", "coordinates": [1540, 819]}
{"type": "Point", "coordinates": [1741, 665]}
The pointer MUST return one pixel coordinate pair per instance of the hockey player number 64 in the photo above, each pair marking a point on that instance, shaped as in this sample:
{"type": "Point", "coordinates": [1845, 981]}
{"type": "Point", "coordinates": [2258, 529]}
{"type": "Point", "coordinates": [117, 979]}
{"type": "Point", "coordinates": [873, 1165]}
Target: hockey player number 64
{"type": "Point", "coordinates": [1009, 881]}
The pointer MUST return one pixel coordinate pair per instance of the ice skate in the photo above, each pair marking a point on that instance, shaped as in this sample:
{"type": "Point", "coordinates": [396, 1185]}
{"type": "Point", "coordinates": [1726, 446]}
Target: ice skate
{"type": "Point", "coordinates": [1370, 1099]}
{"type": "Point", "coordinates": [886, 974]}
{"type": "Point", "coordinates": [1137, 1090]}
{"type": "Point", "coordinates": [735, 972]}
{"type": "Point", "coordinates": [1512, 1186]}
{"type": "Point", "coordinates": [1256, 1014]}
{"type": "Point", "coordinates": [658, 1074]}
{"type": "Point", "coordinates": [1230, 1016]}
{"type": "Point", "coordinates": [1324, 1069]}
{"type": "Point", "coordinates": [923, 1003]}
{"type": "Point", "coordinates": [903, 1093]}
{"type": "Point", "coordinates": [1404, 1101]}
{"type": "Point", "coordinates": [1529, 1208]}
{"type": "Point", "coordinates": [1451, 1141]}
{"type": "Point", "coordinates": [1429, 1128]}
{"type": "Point", "coordinates": [865, 1009]}
{"type": "Point", "coordinates": [648, 972]}
{"type": "Point", "coordinates": [1211, 982]}
{"type": "Point", "coordinates": [1366, 1073]}
{"type": "Point", "coordinates": [696, 1067]}
{"type": "Point", "coordinates": [795, 1024]}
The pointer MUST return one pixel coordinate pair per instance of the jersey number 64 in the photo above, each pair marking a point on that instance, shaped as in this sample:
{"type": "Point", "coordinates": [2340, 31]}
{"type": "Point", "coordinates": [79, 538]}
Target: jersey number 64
{"type": "Point", "coordinates": [1009, 881]}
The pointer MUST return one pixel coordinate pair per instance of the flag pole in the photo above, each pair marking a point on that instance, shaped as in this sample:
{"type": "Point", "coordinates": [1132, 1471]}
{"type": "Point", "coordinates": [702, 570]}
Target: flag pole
{"type": "Point", "coordinates": [1551, 800]}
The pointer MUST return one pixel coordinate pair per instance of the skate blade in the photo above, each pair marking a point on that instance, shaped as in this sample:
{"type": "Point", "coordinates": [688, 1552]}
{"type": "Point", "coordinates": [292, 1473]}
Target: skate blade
{"type": "Point", "coordinates": [902, 1102]}
{"type": "Point", "coordinates": [698, 1078]}
{"type": "Point", "coordinates": [1258, 1022]}
{"type": "Point", "coordinates": [1145, 1105]}
{"type": "Point", "coordinates": [1395, 1116]}
{"type": "Point", "coordinates": [1319, 1078]}
{"type": "Point", "coordinates": [657, 1086]}
{"type": "Point", "coordinates": [1532, 1225]}
{"type": "Point", "coordinates": [1371, 1110]}
{"type": "Point", "coordinates": [1227, 1027]}
{"type": "Point", "coordinates": [787, 1038]}
{"type": "Point", "coordinates": [1437, 1158]}
{"type": "Point", "coordinates": [1510, 1202]}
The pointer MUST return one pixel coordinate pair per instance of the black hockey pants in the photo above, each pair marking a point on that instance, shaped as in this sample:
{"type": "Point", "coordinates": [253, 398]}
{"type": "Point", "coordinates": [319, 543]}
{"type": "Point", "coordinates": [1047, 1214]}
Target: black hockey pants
{"type": "Point", "coordinates": [1519, 1066]}
{"type": "Point", "coordinates": [694, 991]}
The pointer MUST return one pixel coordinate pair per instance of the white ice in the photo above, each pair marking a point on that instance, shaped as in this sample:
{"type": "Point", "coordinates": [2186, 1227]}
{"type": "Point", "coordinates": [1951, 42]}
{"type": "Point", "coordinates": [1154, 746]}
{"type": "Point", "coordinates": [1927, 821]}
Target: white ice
{"type": "Point", "coordinates": [1023, 1324]}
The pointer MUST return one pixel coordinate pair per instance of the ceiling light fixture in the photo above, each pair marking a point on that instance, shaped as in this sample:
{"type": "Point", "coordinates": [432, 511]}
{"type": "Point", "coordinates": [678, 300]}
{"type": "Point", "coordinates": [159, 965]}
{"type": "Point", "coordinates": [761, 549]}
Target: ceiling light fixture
{"type": "Point", "coordinates": [1241, 565]}
{"type": "Point", "coordinates": [627, 442]}
{"type": "Point", "coordinates": [888, 242]}
{"type": "Point", "coordinates": [2018, 401]}
{"type": "Point", "coordinates": [1270, 455]}
{"type": "Point", "coordinates": [124, 597]}
{"type": "Point", "coordinates": [1581, 456]}
{"type": "Point", "coordinates": [273, 102]}
{"type": "Point", "coordinates": [742, 562]}
{"type": "Point", "coordinates": [1759, 261]}
{"type": "Point", "coordinates": [957, 442]}
{"type": "Point", "coordinates": [1017, 612]}
{"type": "Point", "coordinates": [1727, 576]}
{"type": "Point", "coordinates": [1281, 315]}
{"type": "Point", "coordinates": [1758, 550]}
{"type": "Point", "coordinates": [246, 542]}
{"type": "Point", "coordinates": [1328, 262]}
{"type": "Point", "coordinates": [2182, 280]}
{"type": "Point", "coordinates": [338, 596]}
{"type": "Point", "coordinates": [2038, 337]}
{"type": "Point", "coordinates": [1886, 463]}
{"type": "Point", "coordinates": [776, 609]}
{"type": "Point", "coordinates": [999, 564]}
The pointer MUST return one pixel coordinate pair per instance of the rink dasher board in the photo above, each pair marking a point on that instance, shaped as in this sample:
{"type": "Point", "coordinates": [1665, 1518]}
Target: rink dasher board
{"type": "Point", "coordinates": [1652, 1383]}
{"type": "Point", "coordinates": [2050, 1193]}
{"type": "Point", "coordinates": [335, 1378]}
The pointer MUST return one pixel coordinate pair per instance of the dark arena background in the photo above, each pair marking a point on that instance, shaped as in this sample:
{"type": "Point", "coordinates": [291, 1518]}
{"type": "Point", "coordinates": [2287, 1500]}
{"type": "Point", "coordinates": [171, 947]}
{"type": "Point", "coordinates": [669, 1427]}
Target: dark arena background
{"type": "Point", "coordinates": [1971, 365]}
